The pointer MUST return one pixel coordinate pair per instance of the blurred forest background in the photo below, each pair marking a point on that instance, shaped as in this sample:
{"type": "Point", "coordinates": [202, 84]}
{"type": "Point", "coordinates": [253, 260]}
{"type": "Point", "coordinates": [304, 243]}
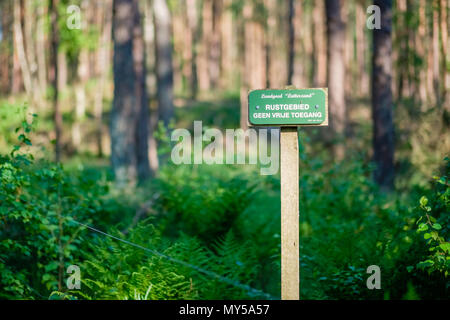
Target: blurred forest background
{"type": "Point", "coordinates": [90, 91]}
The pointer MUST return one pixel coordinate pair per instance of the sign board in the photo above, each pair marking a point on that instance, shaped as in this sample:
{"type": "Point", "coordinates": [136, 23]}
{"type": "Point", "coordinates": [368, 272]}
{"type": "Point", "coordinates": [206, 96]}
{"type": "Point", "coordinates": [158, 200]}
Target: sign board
{"type": "Point", "coordinates": [288, 107]}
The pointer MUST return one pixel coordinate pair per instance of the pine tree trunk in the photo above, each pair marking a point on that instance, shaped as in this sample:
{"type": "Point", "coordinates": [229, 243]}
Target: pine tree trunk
{"type": "Point", "coordinates": [192, 16]}
{"type": "Point", "coordinates": [291, 41]}
{"type": "Point", "coordinates": [336, 73]}
{"type": "Point", "coordinates": [80, 96]}
{"type": "Point", "coordinates": [149, 38]}
{"type": "Point", "coordinates": [435, 44]}
{"type": "Point", "coordinates": [164, 69]}
{"type": "Point", "coordinates": [54, 75]}
{"type": "Point", "coordinates": [20, 45]}
{"type": "Point", "coordinates": [227, 46]}
{"type": "Point", "coordinates": [29, 23]}
{"type": "Point", "coordinates": [420, 47]}
{"type": "Point", "coordinates": [40, 49]}
{"type": "Point", "coordinates": [6, 50]}
{"type": "Point", "coordinates": [383, 126]}
{"type": "Point", "coordinates": [319, 50]}
{"type": "Point", "coordinates": [299, 72]}
{"type": "Point", "coordinates": [444, 53]}
{"type": "Point", "coordinates": [103, 63]}
{"type": "Point", "coordinates": [129, 114]}
{"type": "Point", "coordinates": [204, 80]}
{"type": "Point", "coordinates": [143, 120]}
{"type": "Point", "coordinates": [215, 44]}
{"type": "Point", "coordinates": [125, 110]}
{"type": "Point", "coordinates": [270, 46]}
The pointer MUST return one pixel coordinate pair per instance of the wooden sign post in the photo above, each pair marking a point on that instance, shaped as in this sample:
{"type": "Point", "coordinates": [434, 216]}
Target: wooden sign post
{"type": "Point", "coordinates": [289, 109]}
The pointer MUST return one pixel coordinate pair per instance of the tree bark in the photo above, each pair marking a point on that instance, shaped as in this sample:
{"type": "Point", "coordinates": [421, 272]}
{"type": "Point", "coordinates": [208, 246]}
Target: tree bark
{"type": "Point", "coordinates": [270, 45]}
{"type": "Point", "coordinates": [80, 96]}
{"type": "Point", "coordinates": [319, 47]}
{"type": "Point", "coordinates": [129, 114]}
{"type": "Point", "coordinates": [125, 110]}
{"type": "Point", "coordinates": [435, 44]}
{"type": "Point", "coordinates": [164, 69]}
{"type": "Point", "coordinates": [227, 46]}
{"type": "Point", "coordinates": [149, 38]}
{"type": "Point", "coordinates": [6, 47]}
{"type": "Point", "coordinates": [143, 120]}
{"type": "Point", "coordinates": [20, 45]}
{"type": "Point", "coordinates": [40, 46]}
{"type": "Point", "coordinates": [54, 75]}
{"type": "Point", "coordinates": [444, 41]}
{"type": "Point", "coordinates": [192, 16]}
{"type": "Point", "coordinates": [421, 40]}
{"type": "Point", "coordinates": [103, 63]}
{"type": "Point", "coordinates": [215, 44]}
{"type": "Point", "coordinates": [299, 71]}
{"type": "Point", "coordinates": [203, 57]}
{"type": "Point", "coordinates": [383, 126]}
{"type": "Point", "coordinates": [29, 22]}
{"type": "Point", "coordinates": [291, 41]}
{"type": "Point", "coordinates": [336, 73]}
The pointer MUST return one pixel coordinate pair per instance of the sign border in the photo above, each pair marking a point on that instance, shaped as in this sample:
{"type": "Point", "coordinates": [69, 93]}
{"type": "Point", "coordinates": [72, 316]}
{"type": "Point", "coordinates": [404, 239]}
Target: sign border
{"type": "Point", "coordinates": [323, 124]}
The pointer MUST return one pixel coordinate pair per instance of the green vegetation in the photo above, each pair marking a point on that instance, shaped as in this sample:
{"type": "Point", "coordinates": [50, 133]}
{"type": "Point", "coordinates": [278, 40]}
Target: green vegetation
{"type": "Point", "coordinates": [218, 222]}
{"type": "Point", "coordinates": [91, 90]}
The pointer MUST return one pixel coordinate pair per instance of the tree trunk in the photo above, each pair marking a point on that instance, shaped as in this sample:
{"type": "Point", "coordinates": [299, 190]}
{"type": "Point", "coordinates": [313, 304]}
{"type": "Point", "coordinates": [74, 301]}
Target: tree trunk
{"type": "Point", "coordinates": [429, 72]}
{"type": "Point", "coordinates": [187, 47]}
{"type": "Point", "coordinates": [215, 44]}
{"type": "Point", "coordinates": [125, 110]}
{"type": "Point", "coordinates": [336, 73]}
{"type": "Point", "coordinates": [227, 46]}
{"type": "Point", "coordinates": [149, 38]}
{"type": "Point", "coordinates": [270, 45]}
{"type": "Point", "coordinates": [103, 63]}
{"type": "Point", "coordinates": [16, 77]}
{"type": "Point", "coordinates": [444, 48]}
{"type": "Point", "coordinates": [299, 69]}
{"type": "Point", "coordinates": [203, 61]}
{"type": "Point", "coordinates": [62, 71]}
{"type": "Point", "coordinates": [29, 22]}
{"type": "Point", "coordinates": [401, 37]}
{"type": "Point", "coordinates": [435, 43]}
{"type": "Point", "coordinates": [383, 126]}
{"type": "Point", "coordinates": [129, 114]}
{"type": "Point", "coordinates": [54, 75]}
{"type": "Point", "coordinates": [6, 47]}
{"type": "Point", "coordinates": [141, 97]}
{"type": "Point", "coordinates": [40, 49]}
{"type": "Point", "coordinates": [80, 96]}
{"type": "Point", "coordinates": [164, 69]}
{"type": "Point", "coordinates": [20, 45]}
{"type": "Point", "coordinates": [192, 16]}
{"type": "Point", "coordinates": [420, 47]}
{"type": "Point", "coordinates": [83, 74]}
{"type": "Point", "coordinates": [320, 72]}
{"type": "Point", "coordinates": [179, 30]}
{"type": "Point", "coordinates": [291, 41]}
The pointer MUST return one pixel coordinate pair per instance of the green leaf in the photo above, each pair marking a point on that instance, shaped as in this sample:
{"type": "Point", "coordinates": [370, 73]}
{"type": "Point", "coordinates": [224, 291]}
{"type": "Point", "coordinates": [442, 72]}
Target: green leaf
{"type": "Point", "coordinates": [434, 235]}
{"type": "Point", "coordinates": [445, 246]}
{"type": "Point", "coordinates": [437, 226]}
{"type": "Point", "coordinates": [423, 201]}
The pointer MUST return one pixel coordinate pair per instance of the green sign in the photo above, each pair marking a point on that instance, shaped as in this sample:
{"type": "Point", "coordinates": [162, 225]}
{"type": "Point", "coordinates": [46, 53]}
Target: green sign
{"type": "Point", "coordinates": [290, 107]}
